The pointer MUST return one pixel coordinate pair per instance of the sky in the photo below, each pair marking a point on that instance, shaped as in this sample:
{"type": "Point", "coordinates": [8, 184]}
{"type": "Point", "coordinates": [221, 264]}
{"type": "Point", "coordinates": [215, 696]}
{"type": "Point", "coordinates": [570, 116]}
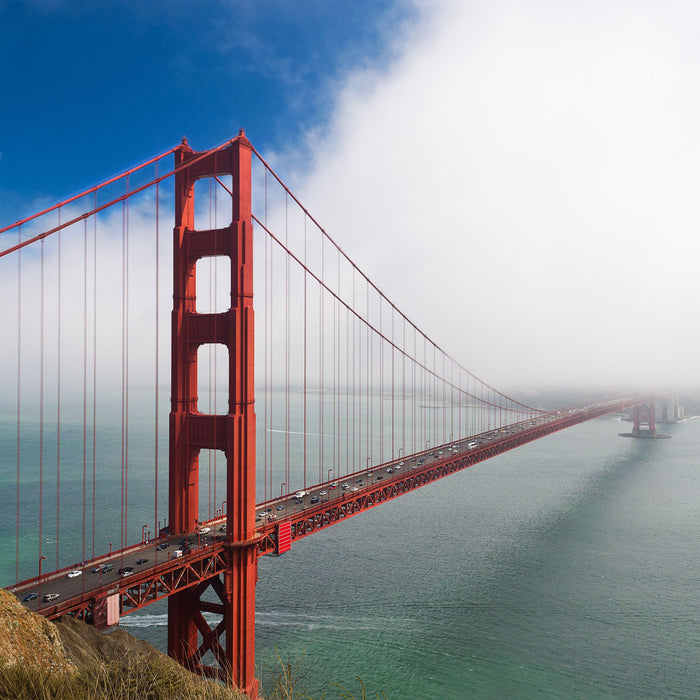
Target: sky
{"type": "Point", "coordinates": [519, 178]}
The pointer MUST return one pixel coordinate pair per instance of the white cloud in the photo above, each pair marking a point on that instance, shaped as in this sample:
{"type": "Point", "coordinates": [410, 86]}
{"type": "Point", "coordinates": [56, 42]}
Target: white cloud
{"type": "Point", "coordinates": [521, 182]}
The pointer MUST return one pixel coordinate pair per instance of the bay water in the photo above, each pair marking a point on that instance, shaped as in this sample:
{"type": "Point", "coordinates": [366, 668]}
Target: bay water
{"type": "Point", "coordinates": [567, 568]}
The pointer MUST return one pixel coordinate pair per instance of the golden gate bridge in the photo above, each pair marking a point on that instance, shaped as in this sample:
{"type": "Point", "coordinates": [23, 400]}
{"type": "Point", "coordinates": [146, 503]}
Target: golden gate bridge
{"type": "Point", "coordinates": [300, 396]}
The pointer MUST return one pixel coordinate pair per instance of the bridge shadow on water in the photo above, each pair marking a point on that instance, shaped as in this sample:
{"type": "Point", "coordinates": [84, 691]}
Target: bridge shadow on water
{"type": "Point", "coordinates": [541, 573]}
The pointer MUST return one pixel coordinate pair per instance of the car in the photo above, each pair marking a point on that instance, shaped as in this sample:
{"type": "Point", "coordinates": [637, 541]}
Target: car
{"type": "Point", "coordinates": [222, 528]}
{"type": "Point", "coordinates": [125, 570]}
{"type": "Point", "coordinates": [333, 486]}
{"type": "Point", "coordinates": [106, 568]}
{"type": "Point", "coordinates": [389, 471]}
{"type": "Point", "coordinates": [400, 464]}
{"type": "Point", "coordinates": [315, 499]}
{"type": "Point", "coordinates": [51, 596]}
{"type": "Point", "coordinates": [471, 445]}
{"type": "Point", "coordinates": [280, 507]}
{"type": "Point", "coordinates": [141, 561]}
{"type": "Point", "coordinates": [30, 596]}
{"type": "Point", "coordinates": [96, 570]}
{"type": "Point", "coordinates": [204, 530]}
{"type": "Point", "coordinates": [74, 574]}
{"type": "Point", "coordinates": [163, 545]}
{"type": "Point", "coordinates": [354, 488]}
{"type": "Point", "coordinates": [379, 477]}
{"type": "Point", "coordinates": [300, 494]}
{"type": "Point", "coordinates": [323, 493]}
{"type": "Point", "coordinates": [298, 500]}
{"type": "Point", "coordinates": [177, 553]}
{"type": "Point", "coordinates": [345, 486]}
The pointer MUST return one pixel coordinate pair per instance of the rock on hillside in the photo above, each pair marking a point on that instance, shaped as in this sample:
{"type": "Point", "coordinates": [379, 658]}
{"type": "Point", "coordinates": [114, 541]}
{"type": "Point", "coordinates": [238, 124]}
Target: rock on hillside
{"type": "Point", "coordinates": [29, 639]}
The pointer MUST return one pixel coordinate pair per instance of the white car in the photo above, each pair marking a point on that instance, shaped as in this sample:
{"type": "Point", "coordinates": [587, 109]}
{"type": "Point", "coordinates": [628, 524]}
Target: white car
{"type": "Point", "coordinates": [204, 530]}
{"type": "Point", "coordinates": [177, 553]}
{"type": "Point", "coordinates": [74, 574]}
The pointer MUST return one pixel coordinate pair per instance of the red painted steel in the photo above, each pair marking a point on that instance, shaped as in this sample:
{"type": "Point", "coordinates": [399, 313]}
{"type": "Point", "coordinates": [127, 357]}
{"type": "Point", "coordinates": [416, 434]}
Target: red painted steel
{"type": "Point", "coordinates": [283, 541]}
{"type": "Point", "coordinates": [233, 433]}
{"type": "Point", "coordinates": [645, 418]}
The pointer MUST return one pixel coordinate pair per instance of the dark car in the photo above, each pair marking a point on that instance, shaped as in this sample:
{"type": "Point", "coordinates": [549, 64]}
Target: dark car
{"type": "Point", "coordinates": [164, 545]}
{"type": "Point", "coordinates": [106, 568]}
{"type": "Point", "coordinates": [141, 561]}
{"type": "Point", "coordinates": [30, 596]}
{"type": "Point", "coordinates": [315, 499]}
{"type": "Point", "coordinates": [126, 570]}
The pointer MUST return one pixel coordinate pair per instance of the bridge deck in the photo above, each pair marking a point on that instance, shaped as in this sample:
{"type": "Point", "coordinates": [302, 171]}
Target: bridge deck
{"type": "Point", "coordinates": [205, 556]}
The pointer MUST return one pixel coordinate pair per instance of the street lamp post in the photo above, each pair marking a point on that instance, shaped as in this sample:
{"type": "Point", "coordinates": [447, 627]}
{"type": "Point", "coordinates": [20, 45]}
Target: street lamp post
{"type": "Point", "coordinates": [143, 534]}
{"type": "Point", "coordinates": [40, 598]}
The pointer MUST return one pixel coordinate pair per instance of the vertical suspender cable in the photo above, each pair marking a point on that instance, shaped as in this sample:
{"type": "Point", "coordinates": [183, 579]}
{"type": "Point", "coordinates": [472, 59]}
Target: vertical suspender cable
{"type": "Point", "coordinates": [58, 395]}
{"type": "Point", "coordinates": [272, 364]}
{"type": "Point", "coordinates": [380, 345]}
{"type": "Point", "coordinates": [320, 359]}
{"type": "Point", "coordinates": [41, 405]}
{"type": "Point", "coordinates": [157, 350]}
{"type": "Point", "coordinates": [85, 293]}
{"type": "Point", "coordinates": [19, 392]}
{"type": "Point", "coordinates": [123, 374]}
{"type": "Point", "coordinates": [265, 351]}
{"type": "Point", "coordinates": [335, 347]}
{"type": "Point", "coordinates": [305, 359]}
{"type": "Point", "coordinates": [286, 339]}
{"type": "Point", "coordinates": [354, 388]}
{"type": "Point", "coordinates": [126, 380]}
{"type": "Point", "coordinates": [393, 357]}
{"type": "Point", "coordinates": [94, 376]}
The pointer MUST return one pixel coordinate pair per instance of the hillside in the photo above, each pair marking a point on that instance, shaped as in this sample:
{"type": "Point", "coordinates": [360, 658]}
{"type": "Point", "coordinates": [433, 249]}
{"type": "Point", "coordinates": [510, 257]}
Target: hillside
{"type": "Point", "coordinates": [70, 660]}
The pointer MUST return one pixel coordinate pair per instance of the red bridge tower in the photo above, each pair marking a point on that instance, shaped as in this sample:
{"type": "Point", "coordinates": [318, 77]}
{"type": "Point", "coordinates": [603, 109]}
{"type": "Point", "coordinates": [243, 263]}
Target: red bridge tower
{"type": "Point", "coordinates": [233, 433]}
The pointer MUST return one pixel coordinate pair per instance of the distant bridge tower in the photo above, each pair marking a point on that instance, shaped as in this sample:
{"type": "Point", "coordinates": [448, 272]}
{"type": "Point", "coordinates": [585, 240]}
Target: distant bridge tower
{"type": "Point", "coordinates": [645, 419]}
{"type": "Point", "coordinates": [644, 416]}
{"type": "Point", "coordinates": [232, 433]}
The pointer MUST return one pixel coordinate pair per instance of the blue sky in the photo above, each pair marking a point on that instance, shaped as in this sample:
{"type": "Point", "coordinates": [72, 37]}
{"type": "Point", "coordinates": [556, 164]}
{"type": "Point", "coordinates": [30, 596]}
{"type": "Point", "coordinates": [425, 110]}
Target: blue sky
{"type": "Point", "coordinates": [91, 88]}
{"type": "Point", "coordinates": [521, 178]}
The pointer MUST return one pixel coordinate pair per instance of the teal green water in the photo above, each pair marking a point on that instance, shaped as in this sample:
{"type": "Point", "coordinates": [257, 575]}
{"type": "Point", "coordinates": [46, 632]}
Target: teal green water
{"type": "Point", "coordinates": [567, 568]}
